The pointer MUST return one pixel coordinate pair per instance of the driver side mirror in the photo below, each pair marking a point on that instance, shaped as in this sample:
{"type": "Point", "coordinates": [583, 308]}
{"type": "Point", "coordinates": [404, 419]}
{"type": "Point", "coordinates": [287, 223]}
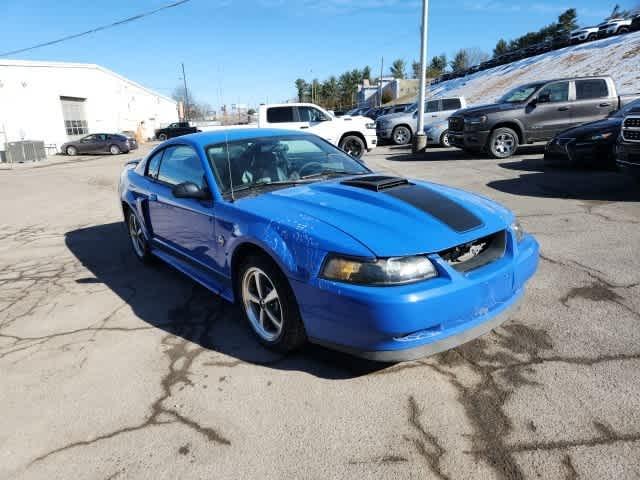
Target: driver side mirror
{"type": "Point", "coordinates": [190, 190]}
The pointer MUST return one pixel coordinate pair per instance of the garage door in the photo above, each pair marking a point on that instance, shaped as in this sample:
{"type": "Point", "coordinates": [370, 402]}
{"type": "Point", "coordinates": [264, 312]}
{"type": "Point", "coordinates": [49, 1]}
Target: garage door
{"type": "Point", "coordinates": [75, 118]}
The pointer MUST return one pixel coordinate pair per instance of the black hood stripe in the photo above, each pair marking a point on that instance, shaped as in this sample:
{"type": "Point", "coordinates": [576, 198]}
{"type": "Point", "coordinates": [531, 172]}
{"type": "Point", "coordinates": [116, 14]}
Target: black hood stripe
{"type": "Point", "coordinates": [437, 205]}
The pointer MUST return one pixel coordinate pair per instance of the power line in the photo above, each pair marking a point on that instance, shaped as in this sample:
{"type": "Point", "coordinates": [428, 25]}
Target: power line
{"type": "Point", "coordinates": [97, 29]}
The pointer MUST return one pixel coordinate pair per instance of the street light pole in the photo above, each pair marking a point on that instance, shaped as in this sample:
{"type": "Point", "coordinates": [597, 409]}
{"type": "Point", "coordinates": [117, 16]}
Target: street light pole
{"type": "Point", "coordinates": [186, 95]}
{"type": "Point", "coordinates": [420, 139]}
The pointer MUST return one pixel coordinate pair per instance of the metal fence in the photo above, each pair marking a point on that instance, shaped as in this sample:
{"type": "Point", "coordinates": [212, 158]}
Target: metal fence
{"type": "Point", "coordinates": [24, 151]}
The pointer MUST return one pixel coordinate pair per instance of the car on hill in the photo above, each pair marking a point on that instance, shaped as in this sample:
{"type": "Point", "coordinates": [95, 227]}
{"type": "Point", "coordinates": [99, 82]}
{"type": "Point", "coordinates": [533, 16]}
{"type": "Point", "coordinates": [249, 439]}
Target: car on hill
{"type": "Point", "coordinates": [591, 144]}
{"type": "Point", "coordinates": [585, 34]}
{"type": "Point", "coordinates": [534, 112]}
{"type": "Point", "coordinates": [615, 26]}
{"type": "Point", "coordinates": [635, 23]}
{"type": "Point", "coordinates": [400, 127]}
{"type": "Point", "coordinates": [628, 145]}
{"type": "Point", "coordinates": [112, 143]}
{"type": "Point", "coordinates": [313, 246]}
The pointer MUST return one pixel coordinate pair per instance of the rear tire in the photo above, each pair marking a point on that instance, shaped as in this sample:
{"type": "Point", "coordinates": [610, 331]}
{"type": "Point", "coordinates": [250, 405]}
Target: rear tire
{"type": "Point", "coordinates": [622, 30]}
{"type": "Point", "coordinates": [139, 241]}
{"type": "Point", "coordinates": [72, 151]}
{"type": "Point", "coordinates": [268, 304]}
{"type": "Point", "coordinates": [114, 150]}
{"type": "Point", "coordinates": [444, 139]}
{"type": "Point", "coordinates": [401, 135]}
{"type": "Point", "coordinates": [503, 142]}
{"type": "Point", "coordinates": [353, 145]}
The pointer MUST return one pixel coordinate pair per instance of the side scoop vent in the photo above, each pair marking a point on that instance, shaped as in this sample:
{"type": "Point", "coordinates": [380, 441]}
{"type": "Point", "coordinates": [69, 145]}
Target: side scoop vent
{"type": "Point", "coordinates": [376, 183]}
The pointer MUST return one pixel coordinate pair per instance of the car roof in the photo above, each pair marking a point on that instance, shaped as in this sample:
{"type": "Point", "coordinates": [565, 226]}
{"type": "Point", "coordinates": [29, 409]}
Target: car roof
{"type": "Point", "coordinates": [233, 134]}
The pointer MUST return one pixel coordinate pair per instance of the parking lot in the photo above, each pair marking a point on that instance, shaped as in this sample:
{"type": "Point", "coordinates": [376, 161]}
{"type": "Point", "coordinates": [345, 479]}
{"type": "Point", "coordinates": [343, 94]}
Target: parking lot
{"type": "Point", "coordinates": [110, 369]}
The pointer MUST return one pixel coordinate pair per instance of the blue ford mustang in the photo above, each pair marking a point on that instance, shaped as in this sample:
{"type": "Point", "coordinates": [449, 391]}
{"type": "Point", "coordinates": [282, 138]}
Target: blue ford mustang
{"type": "Point", "coordinates": [314, 246]}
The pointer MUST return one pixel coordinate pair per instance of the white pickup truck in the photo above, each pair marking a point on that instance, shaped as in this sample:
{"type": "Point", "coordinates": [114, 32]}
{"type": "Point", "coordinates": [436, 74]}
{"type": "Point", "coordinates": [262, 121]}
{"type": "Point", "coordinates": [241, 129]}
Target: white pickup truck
{"type": "Point", "coordinates": [354, 135]}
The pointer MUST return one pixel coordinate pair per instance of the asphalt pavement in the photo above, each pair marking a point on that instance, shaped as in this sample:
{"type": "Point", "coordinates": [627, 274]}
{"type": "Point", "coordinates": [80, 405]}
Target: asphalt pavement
{"type": "Point", "coordinates": [113, 370]}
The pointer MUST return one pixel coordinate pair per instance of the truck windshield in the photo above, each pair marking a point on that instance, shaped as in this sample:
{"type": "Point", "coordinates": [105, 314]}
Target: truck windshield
{"type": "Point", "coordinates": [277, 162]}
{"type": "Point", "coordinates": [520, 94]}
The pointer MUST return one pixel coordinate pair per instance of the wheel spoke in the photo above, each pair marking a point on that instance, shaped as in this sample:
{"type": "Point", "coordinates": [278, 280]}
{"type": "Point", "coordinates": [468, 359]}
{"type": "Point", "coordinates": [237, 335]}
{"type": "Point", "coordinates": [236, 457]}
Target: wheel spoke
{"type": "Point", "coordinates": [252, 298]}
{"type": "Point", "coordinates": [271, 296]}
{"type": "Point", "coordinates": [275, 320]}
{"type": "Point", "coordinates": [262, 314]}
{"type": "Point", "coordinates": [256, 279]}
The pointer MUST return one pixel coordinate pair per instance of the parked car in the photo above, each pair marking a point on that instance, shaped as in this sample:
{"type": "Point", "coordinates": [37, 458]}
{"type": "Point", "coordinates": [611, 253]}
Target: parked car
{"type": "Point", "coordinates": [313, 246]}
{"type": "Point", "coordinates": [176, 129]}
{"type": "Point", "coordinates": [534, 112]}
{"type": "Point", "coordinates": [438, 133]}
{"type": "Point", "coordinates": [590, 144]}
{"type": "Point", "coordinates": [112, 143]}
{"type": "Point", "coordinates": [628, 146]}
{"type": "Point", "coordinates": [560, 41]}
{"type": "Point", "coordinates": [635, 23]}
{"type": "Point", "coordinates": [614, 26]}
{"type": "Point", "coordinates": [585, 34]}
{"type": "Point", "coordinates": [355, 135]}
{"type": "Point", "coordinates": [401, 127]}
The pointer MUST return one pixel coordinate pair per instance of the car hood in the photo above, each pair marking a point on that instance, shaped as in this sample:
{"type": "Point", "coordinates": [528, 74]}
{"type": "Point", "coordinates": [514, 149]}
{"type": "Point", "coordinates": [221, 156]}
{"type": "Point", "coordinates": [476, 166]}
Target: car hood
{"type": "Point", "coordinates": [391, 116]}
{"type": "Point", "coordinates": [607, 124]}
{"type": "Point", "coordinates": [386, 224]}
{"type": "Point", "coordinates": [488, 108]}
{"type": "Point", "coordinates": [358, 119]}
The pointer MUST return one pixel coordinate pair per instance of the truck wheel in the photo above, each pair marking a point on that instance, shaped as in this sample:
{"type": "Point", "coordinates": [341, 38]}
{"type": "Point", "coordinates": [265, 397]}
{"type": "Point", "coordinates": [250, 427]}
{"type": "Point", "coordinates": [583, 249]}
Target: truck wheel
{"type": "Point", "coordinates": [353, 145]}
{"type": "Point", "coordinates": [162, 137]}
{"type": "Point", "coordinates": [401, 135]}
{"type": "Point", "coordinates": [622, 30]}
{"type": "Point", "coordinates": [591, 37]}
{"type": "Point", "coordinates": [444, 139]}
{"type": "Point", "coordinates": [503, 143]}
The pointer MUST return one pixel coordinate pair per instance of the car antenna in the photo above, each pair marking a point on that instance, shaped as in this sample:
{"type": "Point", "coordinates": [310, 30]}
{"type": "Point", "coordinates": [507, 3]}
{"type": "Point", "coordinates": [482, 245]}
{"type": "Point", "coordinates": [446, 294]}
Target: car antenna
{"type": "Point", "coordinates": [226, 142]}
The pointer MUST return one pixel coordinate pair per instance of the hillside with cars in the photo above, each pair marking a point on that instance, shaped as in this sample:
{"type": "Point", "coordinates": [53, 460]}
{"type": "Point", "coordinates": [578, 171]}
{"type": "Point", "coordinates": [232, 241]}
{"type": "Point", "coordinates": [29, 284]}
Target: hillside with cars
{"type": "Point", "coordinates": [617, 56]}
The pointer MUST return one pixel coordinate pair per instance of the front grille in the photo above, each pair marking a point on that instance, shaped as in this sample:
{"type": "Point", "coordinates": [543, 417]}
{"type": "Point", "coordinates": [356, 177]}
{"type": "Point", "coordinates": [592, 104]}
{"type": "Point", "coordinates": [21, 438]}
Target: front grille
{"type": "Point", "coordinates": [631, 135]}
{"type": "Point", "coordinates": [475, 254]}
{"type": "Point", "coordinates": [632, 122]}
{"type": "Point", "coordinates": [456, 124]}
{"type": "Point", "coordinates": [631, 129]}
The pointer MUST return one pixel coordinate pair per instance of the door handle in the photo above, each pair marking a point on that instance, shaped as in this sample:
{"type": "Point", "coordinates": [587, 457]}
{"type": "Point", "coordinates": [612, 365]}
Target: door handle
{"type": "Point", "coordinates": [563, 109]}
{"type": "Point", "coordinates": [304, 126]}
{"type": "Point", "coordinates": [153, 197]}
{"type": "Point", "coordinates": [605, 104]}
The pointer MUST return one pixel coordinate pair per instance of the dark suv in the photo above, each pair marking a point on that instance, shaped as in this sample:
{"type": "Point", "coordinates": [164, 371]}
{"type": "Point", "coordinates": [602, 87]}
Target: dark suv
{"type": "Point", "coordinates": [534, 112]}
{"type": "Point", "coordinates": [628, 146]}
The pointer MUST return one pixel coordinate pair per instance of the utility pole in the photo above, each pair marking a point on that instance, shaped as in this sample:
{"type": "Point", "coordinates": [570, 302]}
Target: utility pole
{"type": "Point", "coordinates": [380, 82]}
{"type": "Point", "coordinates": [186, 96]}
{"type": "Point", "coordinates": [420, 139]}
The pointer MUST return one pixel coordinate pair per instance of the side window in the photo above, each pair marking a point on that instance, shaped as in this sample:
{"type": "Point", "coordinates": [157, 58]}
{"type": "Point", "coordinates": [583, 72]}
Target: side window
{"type": "Point", "coordinates": [589, 89]}
{"type": "Point", "coordinates": [153, 165]}
{"type": "Point", "coordinates": [310, 114]}
{"type": "Point", "coordinates": [280, 114]}
{"type": "Point", "coordinates": [181, 164]}
{"type": "Point", "coordinates": [451, 104]}
{"type": "Point", "coordinates": [431, 106]}
{"type": "Point", "coordinates": [556, 92]}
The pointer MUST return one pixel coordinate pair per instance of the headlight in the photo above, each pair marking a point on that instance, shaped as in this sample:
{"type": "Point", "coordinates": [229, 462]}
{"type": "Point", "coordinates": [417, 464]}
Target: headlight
{"type": "Point", "coordinates": [601, 136]}
{"type": "Point", "coordinates": [371, 125]}
{"type": "Point", "coordinates": [518, 230]}
{"type": "Point", "coordinates": [475, 120]}
{"type": "Point", "coordinates": [383, 271]}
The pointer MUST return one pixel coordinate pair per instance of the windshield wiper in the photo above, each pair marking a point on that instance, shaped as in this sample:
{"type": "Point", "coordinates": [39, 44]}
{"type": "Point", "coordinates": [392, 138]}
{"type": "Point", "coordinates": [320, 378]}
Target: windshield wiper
{"type": "Point", "coordinates": [331, 171]}
{"type": "Point", "coordinates": [251, 186]}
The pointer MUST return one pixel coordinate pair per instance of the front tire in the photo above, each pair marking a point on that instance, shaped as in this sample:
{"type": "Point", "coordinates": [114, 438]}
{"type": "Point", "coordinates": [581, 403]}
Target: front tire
{"type": "Point", "coordinates": [269, 305]}
{"type": "Point", "coordinates": [401, 135]}
{"type": "Point", "coordinates": [114, 150]}
{"type": "Point", "coordinates": [353, 145]}
{"type": "Point", "coordinates": [139, 241]}
{"type": "Point", "coordinates": [162, 137]}
{"type": "Point", "coordinates": [72, 151]}
{"type": "Point", "coordinates": [444, 139]}
{"type": "Point", "coordinates": [503, 143]}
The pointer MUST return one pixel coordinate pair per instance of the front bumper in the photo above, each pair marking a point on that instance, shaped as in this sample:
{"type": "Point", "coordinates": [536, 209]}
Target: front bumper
{"type": "Point", "coordinates": [628, 159]}
{"type": "Point", "coordinates": [475, 140]}
{"type": "Point", "coordinates": [406, 322]}
{"type": "Point", "coordinates": [371, 139]}
{"type": "Point", "coordinates": [580, 152]}
{"type": "Point", "coordinates": [384, 133]}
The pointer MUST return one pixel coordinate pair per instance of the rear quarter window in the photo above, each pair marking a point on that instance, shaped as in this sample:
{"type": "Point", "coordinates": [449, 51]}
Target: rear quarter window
{"type": "Point", "coordinates": [280, 114]}
{"type": "Point", "coordinates": [451, 104]}
{"type": "Point", "coordinates": [589, 89]}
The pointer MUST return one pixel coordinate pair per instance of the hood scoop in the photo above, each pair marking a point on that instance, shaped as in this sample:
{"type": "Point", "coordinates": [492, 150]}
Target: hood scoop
{"type": "Point", "coordinates": [376, 183]}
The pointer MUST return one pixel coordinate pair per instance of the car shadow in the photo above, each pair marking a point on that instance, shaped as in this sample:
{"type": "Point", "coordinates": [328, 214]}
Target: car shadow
{"type": "Point", "coordinates": [168, 300]}
{"type": "Point", "coordinates": [431, 154]}
{"type": "Point", "coordinates": [574, 184]}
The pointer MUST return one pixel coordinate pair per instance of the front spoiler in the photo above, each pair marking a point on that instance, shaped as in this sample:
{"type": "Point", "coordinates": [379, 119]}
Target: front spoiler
{"type": "Point", "coordinates": [428, 349]}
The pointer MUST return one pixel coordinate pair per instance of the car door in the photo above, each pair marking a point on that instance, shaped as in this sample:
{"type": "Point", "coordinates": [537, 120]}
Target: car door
{"type": "Point", "coordinates": [87, 144]}
{"type": "Point", "coordinates": [593, 101]}
{"type": "Point", "coordinates": [317, 122]}
{"type": "Point", "coordinates": [549, 113]}
{"type": "Point", "coordinates": [101, 143]}
{"type": "Point", "coordinates": [448, 106]}
{"type": "Point", "coordinates": [182, 227]}
{"type": "Point", "coordinates": [432, 111]}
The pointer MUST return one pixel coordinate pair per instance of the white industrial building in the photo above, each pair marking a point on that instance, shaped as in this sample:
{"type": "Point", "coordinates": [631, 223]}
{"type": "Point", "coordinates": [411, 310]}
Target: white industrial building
{"type": "Point", "coordinates": [55, 102]}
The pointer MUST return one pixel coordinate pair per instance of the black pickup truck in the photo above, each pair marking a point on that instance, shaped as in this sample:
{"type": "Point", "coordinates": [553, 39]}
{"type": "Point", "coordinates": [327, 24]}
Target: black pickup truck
{"type": "Point", "coordinates": [175, 130]}
{"type": "Point", "coordinates": [534, 112]}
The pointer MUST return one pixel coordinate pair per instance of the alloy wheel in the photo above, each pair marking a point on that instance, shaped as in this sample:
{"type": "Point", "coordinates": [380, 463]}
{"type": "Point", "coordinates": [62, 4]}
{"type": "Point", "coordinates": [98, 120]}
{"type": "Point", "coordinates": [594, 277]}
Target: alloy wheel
{"type": "Point", "coordinates": [137, 236]}
{"type": "Point", "coordinates": [401, 136]}
{"type": "Point", "coordinates": [114, 150]}
{"type": "Point", "coordinates": [262, 304]}
{"type": "Point", "coordinates": [504, 144]}
{"type": "Point", "coordinates": [353, 148]}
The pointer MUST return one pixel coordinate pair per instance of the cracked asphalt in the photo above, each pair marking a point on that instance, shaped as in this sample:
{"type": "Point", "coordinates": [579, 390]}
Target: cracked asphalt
{"type": "Point", "coordinates": [109, 369]}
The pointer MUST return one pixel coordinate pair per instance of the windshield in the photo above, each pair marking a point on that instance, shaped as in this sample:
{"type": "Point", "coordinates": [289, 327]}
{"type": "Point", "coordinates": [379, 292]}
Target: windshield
{"type": "Point", "coordinates": [520, 94]}
{"type": "Point", "coordinates": [626, 109]}
{"type": "Point", "coordinates": [412, 108]}
{"type": "Point", "coordinates": [281, 160]}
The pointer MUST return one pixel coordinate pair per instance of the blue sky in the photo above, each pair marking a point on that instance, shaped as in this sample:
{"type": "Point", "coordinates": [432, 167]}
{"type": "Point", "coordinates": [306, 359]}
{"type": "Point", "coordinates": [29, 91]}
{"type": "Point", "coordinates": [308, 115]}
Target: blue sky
{"type": "Point", "coordinates": [251, 51]}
